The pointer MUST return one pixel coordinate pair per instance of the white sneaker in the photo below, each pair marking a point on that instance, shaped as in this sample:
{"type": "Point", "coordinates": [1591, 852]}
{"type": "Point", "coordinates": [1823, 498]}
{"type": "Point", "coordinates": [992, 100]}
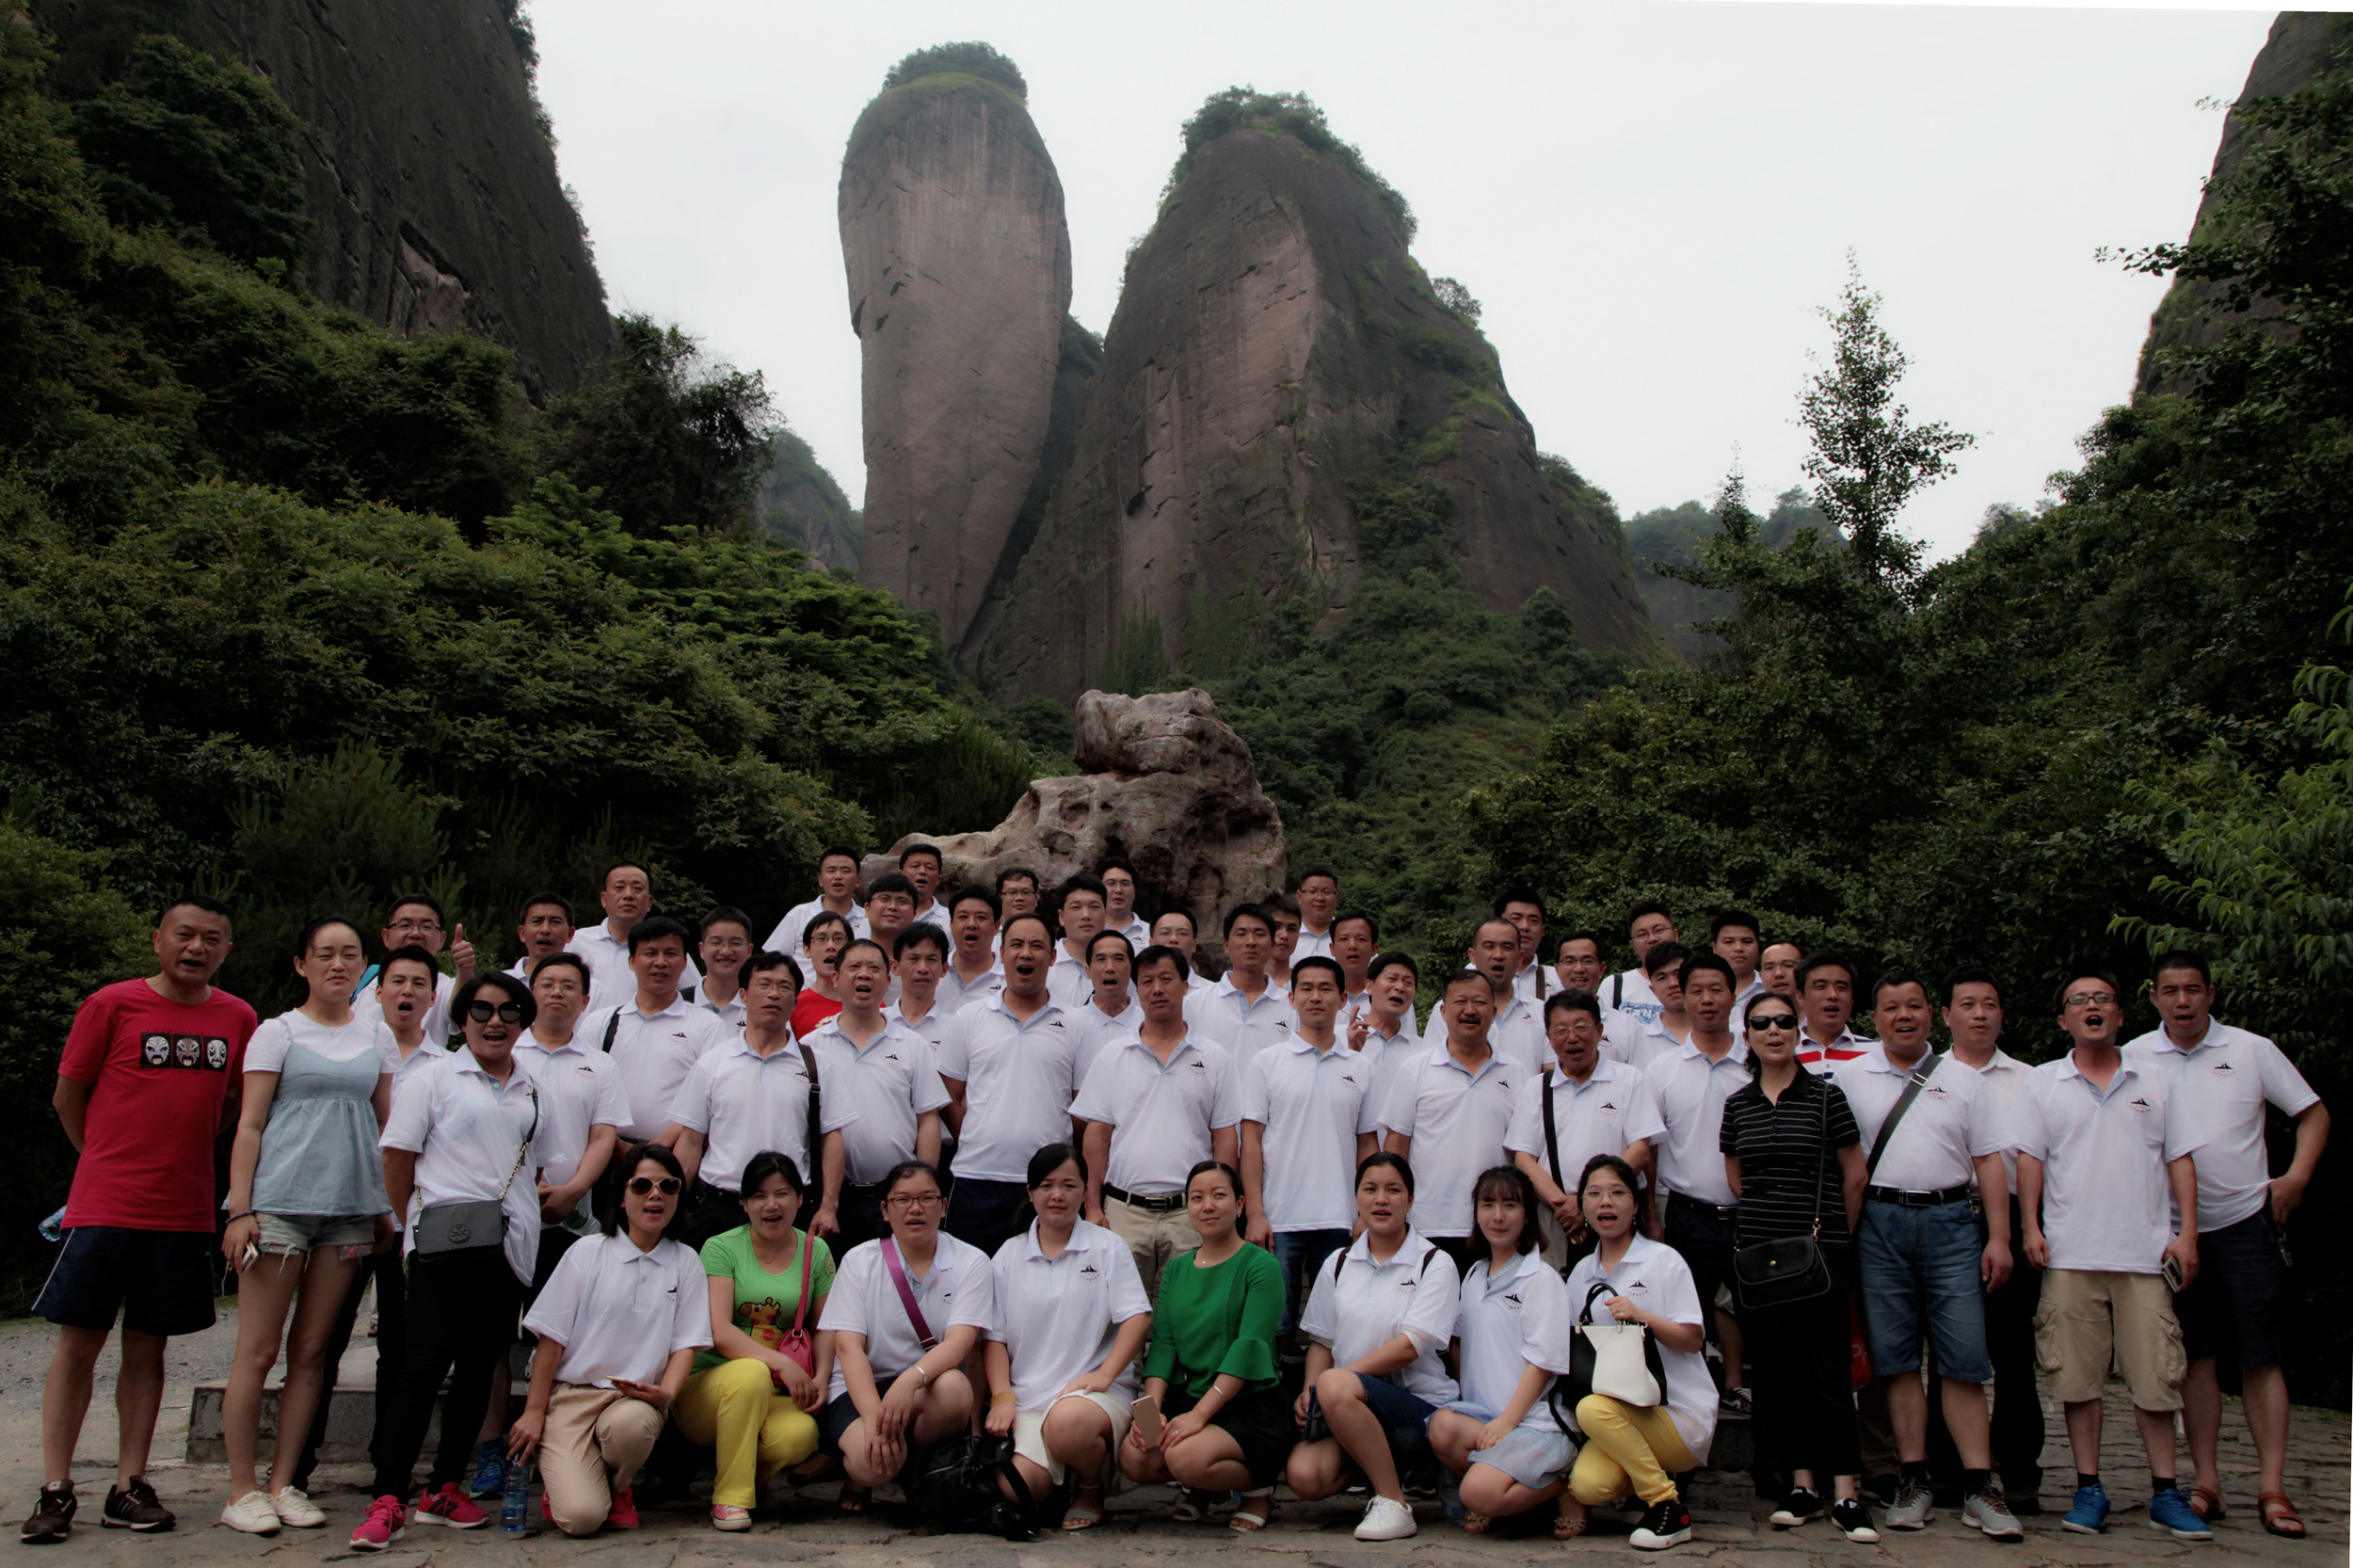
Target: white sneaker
{"type": "Point", "coordinates": [1386, 1519]}
{"type": "Point", "coordinates": [253, 1514]}
{"type": "Point", "coordinates": [296, 1509]}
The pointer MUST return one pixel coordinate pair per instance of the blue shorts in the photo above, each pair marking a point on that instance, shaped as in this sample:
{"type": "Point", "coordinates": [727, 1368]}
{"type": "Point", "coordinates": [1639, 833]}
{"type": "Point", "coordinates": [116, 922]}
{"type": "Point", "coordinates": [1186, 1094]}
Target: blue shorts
{"type": "Point", "coordinates": [1918, 1271]}
{"type": "Point", "coordinates": [159, 1281]}
{"type": "Point", "coordinates": [2234, 1308]}
{"type": "Point", "coordinates": [1405, 1417]}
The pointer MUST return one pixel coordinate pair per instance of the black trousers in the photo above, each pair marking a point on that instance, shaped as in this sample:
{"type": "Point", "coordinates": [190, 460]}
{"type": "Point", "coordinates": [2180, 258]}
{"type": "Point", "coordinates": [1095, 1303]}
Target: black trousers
{"type": "Point", "coordinates": [859, 1214]}
{"type": "Point", "coordinates": [462, 1311]}
{"type": "Point", "coordinates": [2017, 1389]}
{"type": "Point", "coordinates": [382, 1268]}
{"type": "Point", "coordinates": [1799, 1369]}
{"type": "Point", "coordinates": [1703, 1235]}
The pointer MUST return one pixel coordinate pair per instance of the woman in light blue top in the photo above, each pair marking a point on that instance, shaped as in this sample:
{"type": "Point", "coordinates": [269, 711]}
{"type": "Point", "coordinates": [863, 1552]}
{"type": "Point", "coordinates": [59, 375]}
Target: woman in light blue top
{"type": "Point", "coordinates": [306, 1204]}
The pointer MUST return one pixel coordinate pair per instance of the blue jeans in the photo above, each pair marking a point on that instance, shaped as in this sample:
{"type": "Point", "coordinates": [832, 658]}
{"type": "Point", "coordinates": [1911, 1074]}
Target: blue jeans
{"type": "Point", "coordinates": [1918, 1268]}
{"type": "Point", "coordinates": [1299, 1253]}
{"type": "Point", "coordinates": [1405, 1417]}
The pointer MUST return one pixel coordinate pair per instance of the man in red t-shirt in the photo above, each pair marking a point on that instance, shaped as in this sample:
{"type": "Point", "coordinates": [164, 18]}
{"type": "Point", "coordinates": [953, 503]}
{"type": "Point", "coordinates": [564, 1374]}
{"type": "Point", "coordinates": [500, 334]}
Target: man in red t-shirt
{"type": "Point", "coordinates": [151, 1073]}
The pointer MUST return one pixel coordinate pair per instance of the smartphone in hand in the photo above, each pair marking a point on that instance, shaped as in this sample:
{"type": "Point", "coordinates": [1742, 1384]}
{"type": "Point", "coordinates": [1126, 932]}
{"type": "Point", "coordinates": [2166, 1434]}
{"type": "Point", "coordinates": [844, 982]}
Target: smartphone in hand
{"type": "Point", "coordinates": [1145, 1412]}
{"type": "Point", "coordinates": [2171, 1269]}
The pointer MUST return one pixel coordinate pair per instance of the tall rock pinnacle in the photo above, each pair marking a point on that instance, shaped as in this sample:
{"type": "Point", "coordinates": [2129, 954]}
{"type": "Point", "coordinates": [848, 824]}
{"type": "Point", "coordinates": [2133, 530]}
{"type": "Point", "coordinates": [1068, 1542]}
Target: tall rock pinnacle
{"type": "Point", "coordinates": [958, 262]}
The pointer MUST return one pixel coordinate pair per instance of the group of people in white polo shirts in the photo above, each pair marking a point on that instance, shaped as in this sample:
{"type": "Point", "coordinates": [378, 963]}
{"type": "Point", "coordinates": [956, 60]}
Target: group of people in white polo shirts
{"type": "Point", "coordinates": [1269, 1228]}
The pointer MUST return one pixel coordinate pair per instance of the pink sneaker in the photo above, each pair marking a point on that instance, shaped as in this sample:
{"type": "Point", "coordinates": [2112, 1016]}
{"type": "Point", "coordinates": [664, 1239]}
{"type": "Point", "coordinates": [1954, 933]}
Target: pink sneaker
{"type": "Point", "coordinates": [382, 1527]}
{"type": "Point", "coordinates": [449, 1506]}
{"type": "Point", "coordinates": [624, 1511]}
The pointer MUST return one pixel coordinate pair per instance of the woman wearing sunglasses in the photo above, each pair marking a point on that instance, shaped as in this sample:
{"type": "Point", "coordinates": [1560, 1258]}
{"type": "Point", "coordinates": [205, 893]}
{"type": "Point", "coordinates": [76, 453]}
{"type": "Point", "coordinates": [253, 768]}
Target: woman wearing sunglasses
{"type": "Point", "coordinates": [618, 1325]}
{"type": "Point", "coordinates": [461, 1165]}
{"type": "Point", "coordinates": [1795, 1160]}
{"type": "Point", "coordinates": [906, 1311]}
{"type": "Point", "coordinates": [754, 1395]}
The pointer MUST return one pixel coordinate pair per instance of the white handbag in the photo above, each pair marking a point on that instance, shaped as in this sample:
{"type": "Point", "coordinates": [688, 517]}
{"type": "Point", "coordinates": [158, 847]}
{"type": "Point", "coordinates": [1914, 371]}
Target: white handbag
{"type": "Point", "coordinates": [1617, 1359]}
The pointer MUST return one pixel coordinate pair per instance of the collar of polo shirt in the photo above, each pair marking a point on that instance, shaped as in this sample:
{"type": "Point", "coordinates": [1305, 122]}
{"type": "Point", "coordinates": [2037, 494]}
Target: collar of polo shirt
{"type": "Point", "coordinates": [1077, 1241]}
{"type": "Point", "coordinates": [1408, 1251]}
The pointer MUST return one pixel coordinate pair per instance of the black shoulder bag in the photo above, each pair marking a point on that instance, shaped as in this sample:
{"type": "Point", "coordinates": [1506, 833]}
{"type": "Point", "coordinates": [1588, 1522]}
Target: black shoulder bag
{"type": "Point", "coordinates": [1788, 1268]}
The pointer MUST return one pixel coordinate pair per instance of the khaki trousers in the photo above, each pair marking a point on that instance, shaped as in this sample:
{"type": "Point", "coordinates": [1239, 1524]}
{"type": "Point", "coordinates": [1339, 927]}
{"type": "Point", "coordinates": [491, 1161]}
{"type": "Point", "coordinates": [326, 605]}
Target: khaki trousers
{"type": "Point", "coordinates": [594, 1441]}
{"type": "Point", "coordinates": [1154, 1237]}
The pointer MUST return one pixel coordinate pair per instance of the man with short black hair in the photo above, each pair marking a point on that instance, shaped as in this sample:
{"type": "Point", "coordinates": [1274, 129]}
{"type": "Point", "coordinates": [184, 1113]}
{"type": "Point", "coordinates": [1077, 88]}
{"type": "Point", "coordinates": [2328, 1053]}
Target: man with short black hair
{"type": "Point", "coordinates": [1530, 981]}
{"type": "Point", "coordinates": [1355, 938]}
{"type": "Point", "coordinates": [1318, 906]}
{"type": "Point", "coordinates": [973, 973]}
{"type": "Point", "coordinates": [891, 903]}
{"type": "Point", "coordinates": [1010, 1065]}
{"type": "Point", "coordinates": [1733, 935]}
{"type": "Point", "coordinates": [581, 1103]}
{"type": "Point", "coordinates": [153, 1069]}
{"type": "Point", "coordinates": [1449, 1109]}
{"type": "Point", "coordinates": [1647, 924]}
{"type": "Point", "coordinates": [657, 1035]}
{"type": "Point", "coordinates": [1692, 1081]}
{"type": "Point", "coordinates": [1282, 914]}
{"type": "Point", "coordinates": [1018, 891]}
{"type": "Point", "coordinates": [625, 893]}
{"type": "Point", "coordinates": [1248, 1010]}
{"type": "Point", "coordinates": [1670, 1027]}
{"type": "Point", "coordinates": [1174, 929]}
{"type": "Point", "coordinates": [919, 962]}
{"type": "Point", "coordinates": [1577, 964]}
{"type": "Point", "coordinates": [415, 919]}
{"type": "Point", "coordinates": [836, 894]}
{"type": "Point", "coordinates": [1081, 908]}
{"type": "Point", "coordinates": [543, 928]}
{"type": "Point", "coordinates": [1516, 1027]}
{"type": "Point", "coordinates": [2100, 1139]}
{"type": "Point", "coordinates": [1385, 1031]}
{"type": "Point", "coordinates": [1933, 1138]}
{"type": "Point", "coordinates": [887, 1079]}
{"type": "Point", "coordinates": [1119, 900]}
{"type": "Point", "coordinates": [726, 946]}
{"type": "Point", "coordinates": [1599, 1105]}
{"type": "Point", "coordinates": [1826, 995]}
{"type": "Point", "coordinates": [2227, 1079]}
{"type": "Point", "coordinates": [921, 865]}
{"type": "Point", "coordinates": [1111, 1012]}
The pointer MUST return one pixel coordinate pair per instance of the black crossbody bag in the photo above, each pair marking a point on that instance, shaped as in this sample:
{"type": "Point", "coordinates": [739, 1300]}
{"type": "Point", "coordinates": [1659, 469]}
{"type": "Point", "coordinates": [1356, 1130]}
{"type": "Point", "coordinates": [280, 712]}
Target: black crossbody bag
{"type": "Point", "coordinates": [1788, 1269]}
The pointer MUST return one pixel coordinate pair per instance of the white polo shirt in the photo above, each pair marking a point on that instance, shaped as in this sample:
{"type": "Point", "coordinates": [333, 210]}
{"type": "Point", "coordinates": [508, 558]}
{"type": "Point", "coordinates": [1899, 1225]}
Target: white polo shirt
{"type": "Point", "coordinates": [1506, 1323]}
{"type": "Point", "coordinates": [1138, 931]}
{"type": "Point", "coordinates": [743, 1103]}
{"type": "Point", "coordinates": [1160, 1115]}
{"type": "Point", "coordinates": [2223, 1082]}
{"type": "Point", "coordinates": [621, 1313]}
{"type": "Point", "coordinates": [1359, 1304]}
{"type": "Point", "coordinates": [1517, 1034]}
{"type": "Point", "coordinates": [1058, 1316]}
{"type": "Point", "coordinates": [1224, 1014]}
{"type": "Point", "coordinates": [466, 1128]}
{"type": "Point", "coordinates": [653, 1053]}
{"type": "Point", "coordinates": [577, 1091]}
{"type": "Point", "coordinates": [1312, 944]}
{"type": "Point", "coordinates": [415, 1063]}
{"type": "Point", "coordinates": [1952, 1121]}
{"type": "Point", "coordinates": [1630, 993]}
{"type": "Point", "coordinates": [729, 1013]}
{"type": "Point", "coordinates": [1654, 1276]}
{"type": "Point", "coordinates": [1389, 1055]}
{"type": "Point", "coordinates": [1311, 1104]}
{"type": "Point", "coordinates": [1615, 1106]}
{"type": "Point", "coordinates": [1536, 985]}
{"type": "Point", "coordinates": [1098, 1028]}
{"type": "Point", "coordinates": [2107, 1204]}
{"type": "Point", "coordinates": [787, 938]}
{"type": "Point", "coordinates": [885, 1088]}
{"type": "Point", "coordinates": [438, 1027]}
{"type": "Point", "coordinates": [2004, 1075]}
{"type": "Point", "coordinates": [932, 1026]}
{"type": "Point", "coordinates": [1622, 1039]}
{"type": "Point", "coordinates": [957, 1289]}
{"type": "Point", "coordinates": [1020, 1079]}
{"type": "Point", "coordinates": [956, 994]}
{"type": "Point", "coordinates": [1067, 982]}
{"type": "Point", "coordinates": [1456, 1118]}
{"type": "Point", "coordinates": [610, 978]}
{"type": "Point", "coordinates": [1691, 1093]}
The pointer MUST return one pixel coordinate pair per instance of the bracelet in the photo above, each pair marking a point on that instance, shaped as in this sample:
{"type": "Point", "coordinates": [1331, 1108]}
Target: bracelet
{"type": "Point", "coordinates": [248, 1214]}
{"type": "Point", "coordinates": [918, 1370]}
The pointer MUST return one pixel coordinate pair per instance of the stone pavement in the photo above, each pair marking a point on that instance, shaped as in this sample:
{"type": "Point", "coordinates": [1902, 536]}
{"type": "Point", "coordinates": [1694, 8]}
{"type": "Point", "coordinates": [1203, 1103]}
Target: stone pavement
{"type": "Point", "coordinates": [1730, 1528]}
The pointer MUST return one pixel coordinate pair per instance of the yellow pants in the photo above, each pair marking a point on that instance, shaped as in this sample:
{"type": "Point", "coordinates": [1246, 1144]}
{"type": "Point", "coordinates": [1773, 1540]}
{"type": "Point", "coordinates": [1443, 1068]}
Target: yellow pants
{"type": "Point", "coordinates": [735, 1408]}
{"type": "Point", "coordinates": [1626, 1451]}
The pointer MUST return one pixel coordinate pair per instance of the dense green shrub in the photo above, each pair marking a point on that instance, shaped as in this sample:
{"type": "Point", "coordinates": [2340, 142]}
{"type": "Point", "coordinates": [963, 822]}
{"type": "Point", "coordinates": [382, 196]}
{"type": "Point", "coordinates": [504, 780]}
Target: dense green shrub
{"type": "Point", "coordinates": [1294, 115]}
{"type": "Point", "coordinates": [974, 59]}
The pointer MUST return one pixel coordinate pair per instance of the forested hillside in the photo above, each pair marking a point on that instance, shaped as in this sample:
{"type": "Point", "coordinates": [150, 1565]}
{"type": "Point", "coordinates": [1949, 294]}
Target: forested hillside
{"type": "Point", "coordinates": [300, 613]}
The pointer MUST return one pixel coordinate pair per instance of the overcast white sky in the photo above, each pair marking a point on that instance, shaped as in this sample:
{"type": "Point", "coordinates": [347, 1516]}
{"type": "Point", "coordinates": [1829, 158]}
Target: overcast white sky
{"type": "Point", "coordinates": [1651, 199]}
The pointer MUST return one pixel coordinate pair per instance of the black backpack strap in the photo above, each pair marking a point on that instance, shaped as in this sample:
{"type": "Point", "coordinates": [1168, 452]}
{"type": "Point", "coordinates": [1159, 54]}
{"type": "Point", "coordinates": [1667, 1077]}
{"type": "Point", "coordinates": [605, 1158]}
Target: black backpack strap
{"type": "Point", "coordinates": [1912, 1086]}
{"type": "Point", "coordinates": [814, 1178]}
{"type": "Point", "coordinates": [1617, 992]}
{"type": "Point", "coordinates": [612, 1027]}
{"type": "Point", "coordinates": [1552, 1133]}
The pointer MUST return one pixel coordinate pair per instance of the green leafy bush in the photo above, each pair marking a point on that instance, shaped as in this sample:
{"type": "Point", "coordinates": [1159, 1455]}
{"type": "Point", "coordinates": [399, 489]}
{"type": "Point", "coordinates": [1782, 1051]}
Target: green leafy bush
{"type": "Point", "coordinates": [1294, 115]}
{"type": "Point", "coordinates": [974, 59]}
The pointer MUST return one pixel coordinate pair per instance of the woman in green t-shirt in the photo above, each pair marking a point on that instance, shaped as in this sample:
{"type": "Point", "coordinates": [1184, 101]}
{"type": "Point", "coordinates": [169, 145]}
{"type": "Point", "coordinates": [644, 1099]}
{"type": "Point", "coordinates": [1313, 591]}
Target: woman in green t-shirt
{"type": "Point", "coordinates": [1212, 1418]}
{"type": "Point", "coordinates": [746, 1398]}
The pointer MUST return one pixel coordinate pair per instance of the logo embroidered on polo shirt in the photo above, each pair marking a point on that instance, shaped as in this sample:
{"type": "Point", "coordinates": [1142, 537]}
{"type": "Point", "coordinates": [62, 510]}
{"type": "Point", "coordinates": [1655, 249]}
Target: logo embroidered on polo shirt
{"type": "Point", "coordinates": [1608, 1105]}
{"type": "Point", "coordinates": [1198, 1066]}
{"type": "Point", "coordinates": [2138, 1103]}
{"type": "Point", "coordinates": [2223, 1069]}
{"type": "Point", "coordinates": [1088, 1270]}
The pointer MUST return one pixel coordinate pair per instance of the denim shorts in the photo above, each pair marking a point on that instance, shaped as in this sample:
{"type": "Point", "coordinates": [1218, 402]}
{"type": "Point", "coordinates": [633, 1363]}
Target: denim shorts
{"type": "Point", "coordinates": [1918, 1271]}
{"type": "Point", "coordinates": [2233, 1307]}
{"type": "Point", "coordinates": [353, 1235]}
{"type": "Point", "coordinates": [1405, 1417]}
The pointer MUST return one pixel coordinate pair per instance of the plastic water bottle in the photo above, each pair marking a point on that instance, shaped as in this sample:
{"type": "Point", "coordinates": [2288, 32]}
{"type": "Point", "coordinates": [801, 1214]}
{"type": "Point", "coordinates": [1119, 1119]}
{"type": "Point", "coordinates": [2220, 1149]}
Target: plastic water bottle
{"type": "Point", "coordinates": [515, 1502]}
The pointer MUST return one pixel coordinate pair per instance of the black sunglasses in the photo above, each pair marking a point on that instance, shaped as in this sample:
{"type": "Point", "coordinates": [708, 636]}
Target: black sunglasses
{"type": "Point", "coordinates": [505, 1012]}
{"type": "Point", "coordinates": [643, 1184]}
{"type": "Point", "coordinates": [1771, 1020]}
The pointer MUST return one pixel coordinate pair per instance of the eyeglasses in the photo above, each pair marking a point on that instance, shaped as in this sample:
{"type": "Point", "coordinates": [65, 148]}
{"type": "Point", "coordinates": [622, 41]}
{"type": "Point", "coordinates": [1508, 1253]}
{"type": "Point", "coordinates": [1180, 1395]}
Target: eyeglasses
{"type": "Point", "coordinates": [505, 1012]}
{"type": "Point", "coordinates": [2092, 999]}
{"type": "Point", "coordinates": [419, 928]}
{"type": "Point", "coordinates": [1771, 1020]}
{"type": "Point", "coordinates": [643, 1184]}
{"type": "Point", "coordinates": [907, 1203]}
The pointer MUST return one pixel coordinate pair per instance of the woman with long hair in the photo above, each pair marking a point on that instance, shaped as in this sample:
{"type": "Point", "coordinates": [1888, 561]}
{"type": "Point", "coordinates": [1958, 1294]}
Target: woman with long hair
{"type": "Point", "coordinates": [750, 1397]}
{"type": "Point", "coordinates": [306, 1206]}
{"type": "Point", "coordinates": [907, 1309]}
{"type": "Point", "coordinates": [1512, 1336]}
{"type": "Point", "coordinates": [1212, 1418]}
{"type": "Point", "coordinates": [1071, 1319]}
{"type": "Point", "coordinates": [1632, 1449]}
{"type": "Point", "coordinates": [1794, 1157]}
{"type": "Point", "coordinates": [1377, 1319]}
{"type": "Point", "coordinates": [618, 1324]}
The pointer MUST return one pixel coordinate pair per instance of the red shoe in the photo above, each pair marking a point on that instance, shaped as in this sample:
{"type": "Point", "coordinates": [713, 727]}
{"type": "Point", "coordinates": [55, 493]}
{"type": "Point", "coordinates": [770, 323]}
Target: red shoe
{"type": "Point", "coordinates": [382, 1527]}
{"type": "Point", "coordinates": [624, 1514]}
{"type": "Point", "coordinates": [451, 1507]}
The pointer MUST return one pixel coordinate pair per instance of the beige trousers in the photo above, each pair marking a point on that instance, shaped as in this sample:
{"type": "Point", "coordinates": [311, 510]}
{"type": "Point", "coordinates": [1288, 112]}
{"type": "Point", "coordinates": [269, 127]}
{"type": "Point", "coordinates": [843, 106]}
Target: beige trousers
{"type": "Point", "coordinates": [1154, 1237]}
{"type": "Point", "coordinates": [594, 1442]}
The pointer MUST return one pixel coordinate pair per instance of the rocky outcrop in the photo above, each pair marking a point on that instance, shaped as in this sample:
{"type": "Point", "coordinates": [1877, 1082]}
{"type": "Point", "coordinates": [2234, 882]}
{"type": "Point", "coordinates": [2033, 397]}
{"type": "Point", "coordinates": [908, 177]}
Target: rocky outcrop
{"type": "Point", "coordinates": [1274, 344]}
{"type": "Point", "coordinates": [958, 261]}
{"type": "Point", "coordinates": [425, 166]}
{"type": "Point", "coordinates": [1166, 783]}
{"type": "Point", "coordinates": [800, 504]}
{"type": "Point", "coordinates": [2302, 47]}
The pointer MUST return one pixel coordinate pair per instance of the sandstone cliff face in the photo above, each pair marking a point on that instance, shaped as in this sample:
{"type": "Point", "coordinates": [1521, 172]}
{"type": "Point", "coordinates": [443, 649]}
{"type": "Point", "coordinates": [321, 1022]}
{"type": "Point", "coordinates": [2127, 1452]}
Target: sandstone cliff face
{"type": "Point", "coordinates": [1275, 343]}
{"type": "Point", "coordinates": [2303, 46]}
{"type": "Point", "coordinates": [435, 195]}
{"type": "Point", "coordinates": [958, 261]}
